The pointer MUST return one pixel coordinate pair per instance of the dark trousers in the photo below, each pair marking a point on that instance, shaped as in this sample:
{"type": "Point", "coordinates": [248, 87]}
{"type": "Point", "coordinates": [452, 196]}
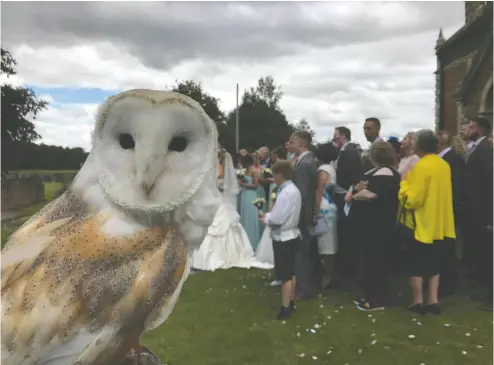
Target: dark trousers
{"type": "Point", "coordinates": [305, 265]}
{"type": "Point", "coordinates": [347, 257]}
{"type": "Point", "coordinates": [448, 270]}
{"type": "Point", "coordinates": [484, 271]}
{"type": "Point", "coordinates": [376, 274]}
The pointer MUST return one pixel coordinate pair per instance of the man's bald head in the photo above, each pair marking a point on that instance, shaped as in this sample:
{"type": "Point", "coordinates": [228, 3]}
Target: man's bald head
{"type": "Point", "coordinates": [243, 152]}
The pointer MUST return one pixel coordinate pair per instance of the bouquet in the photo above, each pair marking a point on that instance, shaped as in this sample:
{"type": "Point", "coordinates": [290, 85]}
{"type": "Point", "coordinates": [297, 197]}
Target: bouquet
{"type": "Point", "coordinates": [240, 174]}
{"type": "Point", "coordinates": [274, 194]}
{"type": "Point", "coordinates": [259, 203]}
{"type": "Point", "coordinates": [267, 173]}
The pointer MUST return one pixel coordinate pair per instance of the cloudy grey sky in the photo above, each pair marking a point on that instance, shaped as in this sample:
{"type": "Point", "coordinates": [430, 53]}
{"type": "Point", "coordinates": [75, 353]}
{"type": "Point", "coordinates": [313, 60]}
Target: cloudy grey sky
{"type": "Point", "coordinates": [338, 62]}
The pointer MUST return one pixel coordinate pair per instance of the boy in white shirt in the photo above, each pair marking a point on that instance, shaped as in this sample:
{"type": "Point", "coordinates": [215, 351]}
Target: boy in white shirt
{"type": "Point", "coordinates": [283, 220]}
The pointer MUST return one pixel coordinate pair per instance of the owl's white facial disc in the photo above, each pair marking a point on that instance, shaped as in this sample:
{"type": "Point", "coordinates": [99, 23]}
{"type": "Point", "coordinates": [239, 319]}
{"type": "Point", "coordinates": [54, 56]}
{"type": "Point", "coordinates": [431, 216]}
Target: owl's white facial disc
{"type": "Point", "coordinates": [153, 150]}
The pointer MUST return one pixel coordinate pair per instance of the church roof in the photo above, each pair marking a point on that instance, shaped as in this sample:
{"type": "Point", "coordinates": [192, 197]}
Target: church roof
{"type": "Point", "coordinates": [468, 28]}
{"type": "Point", "coordinates": [484, 51]}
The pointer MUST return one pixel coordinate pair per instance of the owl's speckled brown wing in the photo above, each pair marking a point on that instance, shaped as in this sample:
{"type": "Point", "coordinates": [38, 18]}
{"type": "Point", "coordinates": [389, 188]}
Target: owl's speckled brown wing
{"type": "Point", "coordinates": [71, 291]}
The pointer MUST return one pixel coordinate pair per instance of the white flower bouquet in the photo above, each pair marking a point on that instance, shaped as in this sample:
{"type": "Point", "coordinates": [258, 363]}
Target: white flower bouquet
{"type": "Point", "coordinates": [240, 174]}
{"type": "Point", "coordinates": [259, 203]}
{"type": "Point", "coordinates": [274, 194]}
{"type": "Point", "coordinates": [267, 173]}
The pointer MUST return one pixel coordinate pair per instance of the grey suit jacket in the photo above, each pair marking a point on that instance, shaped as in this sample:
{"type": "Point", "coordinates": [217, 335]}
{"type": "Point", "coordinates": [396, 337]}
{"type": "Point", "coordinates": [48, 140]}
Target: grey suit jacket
{"type": "Point", "coordinates": [305, 178]}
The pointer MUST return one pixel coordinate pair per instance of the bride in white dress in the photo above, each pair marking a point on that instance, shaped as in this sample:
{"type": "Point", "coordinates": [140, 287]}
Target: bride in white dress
{"type": "Point", "coordinates": [226, 245]}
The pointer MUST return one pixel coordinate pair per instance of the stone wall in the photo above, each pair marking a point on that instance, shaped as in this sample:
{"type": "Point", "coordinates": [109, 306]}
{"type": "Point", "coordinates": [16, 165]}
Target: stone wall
{"type": "Point", "coordinates": [22, 191]}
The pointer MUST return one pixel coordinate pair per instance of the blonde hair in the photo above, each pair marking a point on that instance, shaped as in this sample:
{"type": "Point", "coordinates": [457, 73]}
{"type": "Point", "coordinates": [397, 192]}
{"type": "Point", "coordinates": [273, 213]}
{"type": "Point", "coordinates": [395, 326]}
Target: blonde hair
{"type": "Point", "coordinates": [459, 146]}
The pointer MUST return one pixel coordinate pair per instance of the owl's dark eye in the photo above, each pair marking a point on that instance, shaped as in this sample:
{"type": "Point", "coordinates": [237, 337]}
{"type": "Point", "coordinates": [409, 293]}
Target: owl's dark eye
{"type": "Point", "coordinates": [126, 141]}
{"type": "Point", "coordinates": [178, 144]}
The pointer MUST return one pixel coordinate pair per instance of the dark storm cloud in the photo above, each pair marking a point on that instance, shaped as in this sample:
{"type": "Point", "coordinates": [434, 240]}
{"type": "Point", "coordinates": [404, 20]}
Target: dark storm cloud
{"type": "Point", "coordinates": [163, 34]}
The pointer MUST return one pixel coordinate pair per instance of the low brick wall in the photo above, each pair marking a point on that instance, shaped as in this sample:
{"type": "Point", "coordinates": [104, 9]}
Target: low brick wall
{"type": "Point", "coordinates": [22, 191]}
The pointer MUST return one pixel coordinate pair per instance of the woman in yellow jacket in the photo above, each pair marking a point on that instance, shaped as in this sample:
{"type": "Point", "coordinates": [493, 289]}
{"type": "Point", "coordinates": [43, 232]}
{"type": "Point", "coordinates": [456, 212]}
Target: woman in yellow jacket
{"type": "Point", "coordinates": [426, 193]}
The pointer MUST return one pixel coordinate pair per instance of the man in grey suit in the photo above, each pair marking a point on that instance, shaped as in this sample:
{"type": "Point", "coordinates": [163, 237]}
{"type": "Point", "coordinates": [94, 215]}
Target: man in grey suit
{"type": "Point", "coordinates": [305, 175]}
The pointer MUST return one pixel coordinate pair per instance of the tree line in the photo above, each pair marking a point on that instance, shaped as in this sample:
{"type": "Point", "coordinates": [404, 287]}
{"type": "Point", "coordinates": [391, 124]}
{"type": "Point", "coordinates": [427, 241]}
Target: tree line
{"type": "Point", "coordinates": [262, 122]}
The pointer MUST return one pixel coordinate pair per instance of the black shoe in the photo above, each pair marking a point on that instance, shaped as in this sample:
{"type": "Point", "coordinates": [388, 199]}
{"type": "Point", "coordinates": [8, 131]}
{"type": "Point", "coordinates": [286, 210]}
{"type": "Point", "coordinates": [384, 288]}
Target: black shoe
{"type": "Point", "coordinates": [417, 308]}
{"type": "Point", "coordinates": [293, 308]}
{"type": "Point", "coordinates": [284, 313]}
{"type": "Point", "coordinates": [433, 309]}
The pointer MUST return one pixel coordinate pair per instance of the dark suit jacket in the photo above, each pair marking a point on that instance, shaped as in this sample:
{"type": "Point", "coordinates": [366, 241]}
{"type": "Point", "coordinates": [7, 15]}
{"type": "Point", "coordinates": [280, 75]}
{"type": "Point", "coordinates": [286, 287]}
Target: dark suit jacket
{"type": "Point", "coordinates": [457, 165]}
{"type": "Point", "coordinates": [266, 185]}
{"type": "Point", "coordinates": [305, 178]}
{"type": "Point", "coordinates": [349, 167]}
{"type": "Point", "coordinates": [479, 184]}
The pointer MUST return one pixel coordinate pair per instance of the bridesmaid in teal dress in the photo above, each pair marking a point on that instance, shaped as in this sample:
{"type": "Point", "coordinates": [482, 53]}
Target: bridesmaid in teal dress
{"type": "Point", "coordinates": [249, 214]}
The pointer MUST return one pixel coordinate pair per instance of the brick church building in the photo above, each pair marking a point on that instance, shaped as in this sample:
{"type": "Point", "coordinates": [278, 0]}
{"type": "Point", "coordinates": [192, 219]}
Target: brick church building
{"type": "Point", "coordinates": [464, 69]}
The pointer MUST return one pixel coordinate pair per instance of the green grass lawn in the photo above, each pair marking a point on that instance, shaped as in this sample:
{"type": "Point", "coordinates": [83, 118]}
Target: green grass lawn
{"type": "Point", "coordinates": [226, 318]}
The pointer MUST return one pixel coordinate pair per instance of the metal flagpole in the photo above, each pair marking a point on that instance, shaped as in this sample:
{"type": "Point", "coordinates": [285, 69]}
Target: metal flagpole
{"type": "Point", "coordinates": [237, 139]}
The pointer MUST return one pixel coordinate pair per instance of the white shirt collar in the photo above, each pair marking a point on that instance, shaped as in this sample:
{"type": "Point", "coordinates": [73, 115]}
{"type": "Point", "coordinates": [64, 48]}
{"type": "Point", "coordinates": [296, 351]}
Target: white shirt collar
{"type": "Point", "coordinates": [443, 152]}
{"type": "Point", "coordinates": [346, 144]}
{"type": "Point", "coordinates": [477, 142]}
{"type": "Point", "coordinates": [301, 156]}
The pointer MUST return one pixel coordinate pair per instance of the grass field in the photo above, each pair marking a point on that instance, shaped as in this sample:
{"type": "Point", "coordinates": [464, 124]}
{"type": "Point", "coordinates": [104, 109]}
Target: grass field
{"type": "Point", "coordinates": [226, 318]}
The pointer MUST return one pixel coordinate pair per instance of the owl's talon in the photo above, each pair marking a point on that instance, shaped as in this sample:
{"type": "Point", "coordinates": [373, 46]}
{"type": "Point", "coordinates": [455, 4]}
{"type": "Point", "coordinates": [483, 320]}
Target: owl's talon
{"type": "Point", "coordinates": [137, 349]}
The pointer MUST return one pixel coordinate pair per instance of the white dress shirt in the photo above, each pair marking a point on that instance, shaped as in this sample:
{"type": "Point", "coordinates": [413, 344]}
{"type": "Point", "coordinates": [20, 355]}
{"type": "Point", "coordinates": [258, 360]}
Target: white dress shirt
{"type": "Point", "coordinates": [284, 217]}
{"type": "Point", "coordinates": [443, 152]}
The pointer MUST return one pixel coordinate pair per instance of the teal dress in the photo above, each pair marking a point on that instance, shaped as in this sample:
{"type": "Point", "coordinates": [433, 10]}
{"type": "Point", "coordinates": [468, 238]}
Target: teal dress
{"type": "Point", "coordinates": [249, 214]}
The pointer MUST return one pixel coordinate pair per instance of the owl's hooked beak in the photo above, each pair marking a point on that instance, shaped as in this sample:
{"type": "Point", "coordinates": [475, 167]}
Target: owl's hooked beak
{"type": "Point", "coordinates": [147, 186]}
{"type": "Point", "coordinates": [148, 177]}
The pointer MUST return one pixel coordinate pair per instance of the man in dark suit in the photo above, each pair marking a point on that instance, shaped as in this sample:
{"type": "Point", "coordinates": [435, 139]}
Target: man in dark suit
{"type": "Point", "coordinates": [305, 179]}
{"type": "Point", "coordinates": [447, 285]}
{"type": "Point", "coordinates": [265, 162]}
{"type": "Point", "coordinates": [348, 172]}
{"type": "Point", "coordinates": [478, 190]}
{"type": "Point", "coordinates": [372, 128]}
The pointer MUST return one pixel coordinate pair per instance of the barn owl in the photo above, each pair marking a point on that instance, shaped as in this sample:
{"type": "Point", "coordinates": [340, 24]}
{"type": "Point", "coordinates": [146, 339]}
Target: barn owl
{"type": "Point", "coordinates": [94, 269]}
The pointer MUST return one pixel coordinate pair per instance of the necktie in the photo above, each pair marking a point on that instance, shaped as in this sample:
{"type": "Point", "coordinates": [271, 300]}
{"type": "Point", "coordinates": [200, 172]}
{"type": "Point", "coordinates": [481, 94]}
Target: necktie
{"type": "Point", "coordinates": [470, 150]}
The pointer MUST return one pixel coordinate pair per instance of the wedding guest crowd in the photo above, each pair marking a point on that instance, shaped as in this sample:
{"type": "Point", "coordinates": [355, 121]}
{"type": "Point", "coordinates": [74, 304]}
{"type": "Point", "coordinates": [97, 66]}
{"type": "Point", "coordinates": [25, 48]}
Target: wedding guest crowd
{"type": "Point", "coordinates": [424, 202]}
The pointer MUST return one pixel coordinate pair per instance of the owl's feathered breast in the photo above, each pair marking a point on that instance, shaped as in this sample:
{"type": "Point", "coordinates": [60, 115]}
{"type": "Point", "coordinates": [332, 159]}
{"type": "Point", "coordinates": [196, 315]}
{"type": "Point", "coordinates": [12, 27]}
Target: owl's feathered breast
{"type": "Point", "coordinates": [62, 273]}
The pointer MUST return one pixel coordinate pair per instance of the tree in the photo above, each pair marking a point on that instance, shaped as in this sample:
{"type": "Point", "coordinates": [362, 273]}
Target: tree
{"type": "Point", "coordinates": [261, 120]}
{"type": "Point", "coordinates": [208, 103]}
{"type": "Point", "coordinates": [19, 107]}
{"type": "Point", "coordinates": [303, 125]}
{"type": "Point", "coordinates": [266, 90]}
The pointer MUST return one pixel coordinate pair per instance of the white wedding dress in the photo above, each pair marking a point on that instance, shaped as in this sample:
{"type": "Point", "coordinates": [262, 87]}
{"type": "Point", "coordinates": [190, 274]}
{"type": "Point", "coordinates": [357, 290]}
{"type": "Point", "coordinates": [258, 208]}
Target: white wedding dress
{"type": "Point", "coordinates": [226, 244]}
{"type": "Point", "coordinates": [264, 252]}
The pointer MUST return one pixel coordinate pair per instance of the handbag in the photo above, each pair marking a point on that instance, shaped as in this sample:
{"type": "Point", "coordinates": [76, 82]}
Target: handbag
{"type": "Point", "coordinates": [405, 234]}
{"type": "Point", "coordinates": [321, 225]}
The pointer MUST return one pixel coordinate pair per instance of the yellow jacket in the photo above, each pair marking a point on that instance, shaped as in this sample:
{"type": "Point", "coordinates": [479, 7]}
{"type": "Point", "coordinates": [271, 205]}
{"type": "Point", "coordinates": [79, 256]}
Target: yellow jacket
{"type": "Point", "coordinates": [428, 193]}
